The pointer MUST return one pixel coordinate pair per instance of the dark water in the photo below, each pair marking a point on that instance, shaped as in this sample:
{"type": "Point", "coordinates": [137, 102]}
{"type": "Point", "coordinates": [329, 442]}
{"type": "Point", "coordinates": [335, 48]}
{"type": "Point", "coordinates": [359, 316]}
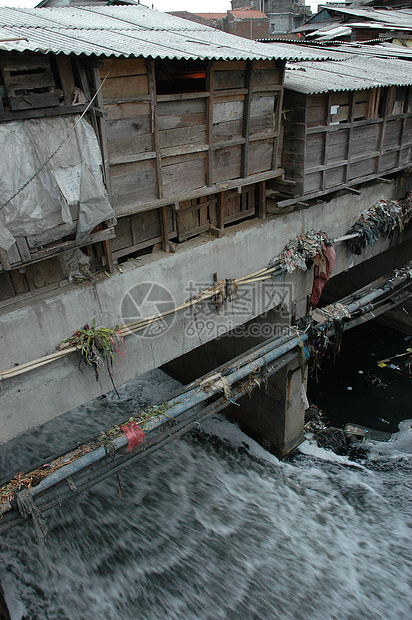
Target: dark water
{"type": "Point", "coordinates": [340, 389]}
{"type": "Point", "coordinates": [214, 527]}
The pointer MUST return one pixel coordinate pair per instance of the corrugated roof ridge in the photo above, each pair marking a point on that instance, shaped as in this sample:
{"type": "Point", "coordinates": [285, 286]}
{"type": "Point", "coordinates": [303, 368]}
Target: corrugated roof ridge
{"type": "Point", "coordinates": [358, 75]}
{"type": "Point", "coordinates": [62, 35]}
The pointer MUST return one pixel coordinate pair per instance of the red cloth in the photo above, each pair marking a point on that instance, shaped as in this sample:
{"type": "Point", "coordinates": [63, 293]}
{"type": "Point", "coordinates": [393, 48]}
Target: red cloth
{"type": "Point", "coordinates": [135, 435]}
{"type": "Point", "coordinates": [321, 277]}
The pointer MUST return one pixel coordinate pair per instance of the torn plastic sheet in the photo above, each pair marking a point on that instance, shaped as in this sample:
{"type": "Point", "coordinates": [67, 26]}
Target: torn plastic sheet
{"type": "Point", "coordinates": [134, 433]}
{"type": "Point", "coordinates": [70, 188]}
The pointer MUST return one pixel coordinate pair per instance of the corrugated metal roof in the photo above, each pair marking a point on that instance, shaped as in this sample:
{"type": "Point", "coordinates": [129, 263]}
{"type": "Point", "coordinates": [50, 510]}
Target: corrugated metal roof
{"type": "Point", "coordinates": [382, 26]}
{"type": "Point", "coordinates": [126, 31]}
{"type": "Point", "coordinates": [303, 51]}
{"type": "Point", "coordinates": [357, 73]}
{"type": "Point", "coordinates": [400, 17]}
{"type": "Point", "coordinates": [331, 32]}
{"type": "Point", "coordinates": [381, 50]}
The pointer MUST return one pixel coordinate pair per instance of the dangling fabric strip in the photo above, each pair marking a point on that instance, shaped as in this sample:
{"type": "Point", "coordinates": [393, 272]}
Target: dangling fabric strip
{"type": "Point", "coordinates": [134, 433]}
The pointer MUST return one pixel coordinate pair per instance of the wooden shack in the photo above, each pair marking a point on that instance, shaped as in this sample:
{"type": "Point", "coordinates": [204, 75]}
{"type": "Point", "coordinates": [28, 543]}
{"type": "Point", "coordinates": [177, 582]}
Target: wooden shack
{"type": "Point", "coordinates": [343, 136]}
{"type": "Point", "coordinates": [186, 143]}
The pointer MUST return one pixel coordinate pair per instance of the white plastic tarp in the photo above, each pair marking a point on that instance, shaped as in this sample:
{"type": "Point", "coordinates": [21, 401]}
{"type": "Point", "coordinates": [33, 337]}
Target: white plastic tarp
{"type": "Point", "coordinates": [70, 188]}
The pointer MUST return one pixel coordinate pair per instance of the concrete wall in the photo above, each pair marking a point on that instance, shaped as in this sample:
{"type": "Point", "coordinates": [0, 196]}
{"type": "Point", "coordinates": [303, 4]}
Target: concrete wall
{"type": "Point", "coordinates": [31, 328]}
{"type": "Point", "coordinates": [247, 28]}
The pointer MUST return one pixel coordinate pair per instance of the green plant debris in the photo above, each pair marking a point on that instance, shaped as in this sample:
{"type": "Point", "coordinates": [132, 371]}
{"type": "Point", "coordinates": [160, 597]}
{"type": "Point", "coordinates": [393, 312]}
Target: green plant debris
{"type": "Point", "coordinates": [97, 344]}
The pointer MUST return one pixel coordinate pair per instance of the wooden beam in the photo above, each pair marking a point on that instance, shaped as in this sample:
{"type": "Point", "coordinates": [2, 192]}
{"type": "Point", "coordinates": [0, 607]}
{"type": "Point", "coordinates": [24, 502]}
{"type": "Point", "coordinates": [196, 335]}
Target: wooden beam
{"type": "Point", "coordinates": [183, 96]}
{"type": "Point", "coordinates": [85, 84]}
{"type": "Point", "coordinates": [402, 136]}
{"type": "Point", "coordinates": [102, 135]}
{"type": "Point", "coordinates": [221, 209]}
{"type": "Point", "coordinates": [131, 159]}
{"type": "Point", "coordinates": [23, 248]}
{"type": "Point", "coordinates": [164, 229]}
{"type": "Point", "coordinates": [349, 148]}
{"type": "Point", "coordinates": [39, 255]}
{"type": "Point", "coordinates": [326, 144]}
{"type": "Point", "coordinates": [278, 120]}
{"type": "Point", "coordinates": [64, 67]}
{"type": "Point", "coordinates": [361, 123]}
{"type": "Point", "coordinates": [262, 200]}
{"type": "Point", "coordinates": [127, 99]}
{"type": "Point", "coordinates": [246, 119]}
{"type": "Point", "coordinates": [332, 190]}
{"type": "Point", "coordinates": [210, 85]}
{"type": "Point", "coordinates": [230, 92]}
{"type": "Point", "coordinates": [132, 208]}
{"type": "Point", "coordinates": [268, 88]}
{"type": "Point", "coordinates": [28, 272]}
{"type": "Point", "coordinates": [41, 112]}
{"type": "Point", "coordinates": [134, 248]}
{"type": "Point", "coordinates": [155, 126]}
{"type": "Point", "coordinates": [4, 260]}
{"type": "Point", "coordinates": [109, 256]}
{"type": "Point", "coordinates": [383, 127]}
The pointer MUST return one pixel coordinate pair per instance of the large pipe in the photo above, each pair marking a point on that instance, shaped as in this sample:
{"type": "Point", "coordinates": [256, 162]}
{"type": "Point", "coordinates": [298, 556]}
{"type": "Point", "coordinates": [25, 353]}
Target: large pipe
{"type": "Point", "coordinates": [185, 424]}
{"type": "Point", "coordinates": [177, 407]}
{"type": "Point", "coordinates": [385, 288]}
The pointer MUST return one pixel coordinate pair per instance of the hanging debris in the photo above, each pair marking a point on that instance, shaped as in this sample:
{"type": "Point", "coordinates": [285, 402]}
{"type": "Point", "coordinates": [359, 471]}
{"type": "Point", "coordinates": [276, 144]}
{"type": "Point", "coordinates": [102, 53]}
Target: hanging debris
{"type": "Point", "coordinates": [302, 249]}
{"type": "Point", "coordinates": [322, 272]}
{"type": "Point", "coordinates": [385, 219]}
{"type": "Point", "coordinates": [334, 311]}
{"type": "Point", "coordinates": [76, 265]}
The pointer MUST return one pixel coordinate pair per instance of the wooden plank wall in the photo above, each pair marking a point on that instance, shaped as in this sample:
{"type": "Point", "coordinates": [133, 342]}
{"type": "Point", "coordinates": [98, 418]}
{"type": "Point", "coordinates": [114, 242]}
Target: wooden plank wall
{"type": "Point", "coordinates": [292, 145]}
{"type": "Point", "coordinates": [352, 137]}
{"type": "Point", "coordinates": [160, 146]}
{"type": "Point", "coordinates": [246, 113]}
{"type": "Point", "coordinates": [202, 137]}
{"type": "Point", "coordinates": [126, 102]}
{"type": "Point", "coordinates": [140, 231]}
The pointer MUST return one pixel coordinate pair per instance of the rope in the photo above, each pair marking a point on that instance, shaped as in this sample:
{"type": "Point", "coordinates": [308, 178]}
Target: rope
{"type": "Point", "coordinates": [27, 508]}
{"type": "Point", "coordinates": [130, 328]}
{"type": "Point", "coordinates": [61, 143]}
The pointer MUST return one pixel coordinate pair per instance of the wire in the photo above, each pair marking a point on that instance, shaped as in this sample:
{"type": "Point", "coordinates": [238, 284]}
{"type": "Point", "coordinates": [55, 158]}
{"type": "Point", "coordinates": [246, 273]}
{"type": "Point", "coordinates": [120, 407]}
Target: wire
{"type": "Point", "coordinates": [61, 143]}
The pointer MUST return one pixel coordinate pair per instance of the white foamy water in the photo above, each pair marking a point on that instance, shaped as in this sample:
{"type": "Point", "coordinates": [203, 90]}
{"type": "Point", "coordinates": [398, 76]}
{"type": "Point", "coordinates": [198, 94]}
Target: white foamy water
{"type": "Point", "coordinates": [214, 527]}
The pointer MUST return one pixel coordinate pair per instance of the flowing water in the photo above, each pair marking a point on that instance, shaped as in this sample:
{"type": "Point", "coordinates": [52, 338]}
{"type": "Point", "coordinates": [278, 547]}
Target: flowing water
{"type": "Point", "coordinates": [214, 527]}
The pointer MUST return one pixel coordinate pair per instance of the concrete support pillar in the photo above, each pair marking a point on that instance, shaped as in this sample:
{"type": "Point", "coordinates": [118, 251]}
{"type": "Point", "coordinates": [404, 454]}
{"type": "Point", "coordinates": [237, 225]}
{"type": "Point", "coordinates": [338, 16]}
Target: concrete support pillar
{"type": "Point", "coordinates": [276, 412]}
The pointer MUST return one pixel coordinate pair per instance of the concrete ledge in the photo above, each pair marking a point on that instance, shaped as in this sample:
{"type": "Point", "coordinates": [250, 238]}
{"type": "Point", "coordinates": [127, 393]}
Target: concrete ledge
{"type": "Point", "coordinates": [32, 328]}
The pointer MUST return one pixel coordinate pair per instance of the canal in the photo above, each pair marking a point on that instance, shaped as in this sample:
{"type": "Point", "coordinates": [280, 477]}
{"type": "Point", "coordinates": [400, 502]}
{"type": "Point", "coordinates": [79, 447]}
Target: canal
{"type": "Point", "coordinates": [215, 527]}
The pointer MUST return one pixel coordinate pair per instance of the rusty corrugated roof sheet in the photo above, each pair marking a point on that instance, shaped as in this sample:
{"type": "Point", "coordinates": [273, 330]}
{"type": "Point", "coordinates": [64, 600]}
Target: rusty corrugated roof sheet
{"type": "Point", "coordinates": [247, 13]}
{"type": "Point", "coordinates": [212, 15]}
{"type": "Point", "coordinates": [125, 31]}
